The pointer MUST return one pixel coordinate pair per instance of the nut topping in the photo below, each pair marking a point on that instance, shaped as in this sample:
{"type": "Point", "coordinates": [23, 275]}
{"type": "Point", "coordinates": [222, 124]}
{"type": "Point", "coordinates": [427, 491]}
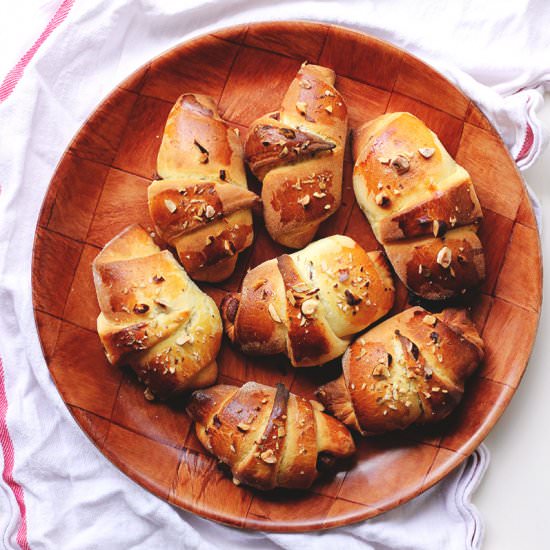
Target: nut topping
{"type": "Point", "coordinates": [351, 299]}
{"type": "Point", "coordinates": [382, 199]}
{"type": "Point", "coordinates": [426, 152]}
{"type": "Point", "coordinates": [273, 313]}
{"type": "Point", "coordinates": [203, 159]}
{"type": "Point", "coordinates": [300, 287]}
{"type": "Point", "coordinates": [148, 394]}
{"type": "Point", "coordinates": [301, 107]}
{"type": "Point", "coordinates": [343, 275]}
{"type": "Point", "coordinates": [444, 257]}
{"type": "Point", "coordinates": [180, 341]}
{"type": "Point", "coordinates": [304, 201]}
{"type": "Point", "coordinates": [170, 205]}
{"type": "Point", "coordinates": [328, 108]}
{"type": "Point", "coordinates": [400, 164]}
{"type": "Point", "coordinates": [429, 320]}
{"type": "Point", "coordinates": [268, 457]}
{"type": "Point", "coordinates": [243, 426]}
{"type": "Point", "coordinates": [290, 297]}
{"type": "Point", "coordinates": [381, 370]}
{"type": "Point", "coordinates": [309, 307]}
{"type": "Point", "coordinates": [210, 211]}
{"type": "Point", "coordinates": [284, 152]}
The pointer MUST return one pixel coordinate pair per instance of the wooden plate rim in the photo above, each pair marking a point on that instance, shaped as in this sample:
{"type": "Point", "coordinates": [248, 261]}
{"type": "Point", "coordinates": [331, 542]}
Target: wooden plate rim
{"type": "Point", "coordinates": [310, 525]}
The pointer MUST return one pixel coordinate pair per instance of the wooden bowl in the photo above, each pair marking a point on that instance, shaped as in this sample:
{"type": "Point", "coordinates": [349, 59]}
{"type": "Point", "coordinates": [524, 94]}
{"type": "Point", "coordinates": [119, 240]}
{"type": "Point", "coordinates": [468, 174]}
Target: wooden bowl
{"type": "Point", "coordinates": [100, 186]}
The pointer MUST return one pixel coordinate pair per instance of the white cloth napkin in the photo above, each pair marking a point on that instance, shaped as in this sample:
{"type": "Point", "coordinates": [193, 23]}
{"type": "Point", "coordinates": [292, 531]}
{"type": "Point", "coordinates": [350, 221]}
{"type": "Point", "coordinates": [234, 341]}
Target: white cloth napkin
{"type": "Point", "coordinates": [56, 489]}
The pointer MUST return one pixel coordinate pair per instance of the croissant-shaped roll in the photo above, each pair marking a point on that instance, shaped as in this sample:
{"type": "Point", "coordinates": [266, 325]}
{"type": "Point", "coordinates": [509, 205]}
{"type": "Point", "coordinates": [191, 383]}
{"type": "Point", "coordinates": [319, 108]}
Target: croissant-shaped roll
{"type": "Point", "coordinates": [153, 317]}
{"type": "Point", "coordinates": [267, 436]}
{"type": "Point", "coordinates": [421, 205]}
{"type": "Point", "coordinates": [310, 303]}
{"type": "Point", "coordinates": [298, 154]}
{"type": "Point", "coordinates": [201, 207]}
{"type": "Point", "coordinates": [408, 369]}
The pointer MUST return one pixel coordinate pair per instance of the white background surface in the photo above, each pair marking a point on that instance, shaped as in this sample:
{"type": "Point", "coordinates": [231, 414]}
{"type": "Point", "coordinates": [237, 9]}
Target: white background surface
{"type": "Point", "coordinates": [513, 497]}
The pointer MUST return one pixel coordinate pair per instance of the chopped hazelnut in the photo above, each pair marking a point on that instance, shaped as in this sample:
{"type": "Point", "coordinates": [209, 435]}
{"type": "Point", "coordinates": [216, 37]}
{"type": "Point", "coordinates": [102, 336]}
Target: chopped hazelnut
{"type": "Point", "coordinates": [170, 205]}
{"type": "Point", "coordinates": [301, 107]}
{"type": "Point", "coordinates": [183, 340]}
{"type": "Point", "coordinates": [444, 257]}
{"type": "Point", "coordinates": [148, 394]}
{"type": "Point", "coordinates": [382, 199]}
{"type": "Point", "coordinates": [429, 320]}
{"type": "Point", "coordinates": [300, 287]}
{"type": "Point", "coordinates": [400, 164]}
{"type": "Point", "coordinates": [351, 299]}
{"type": "Point", "coordinates": [426, 152]}
{"type": "Point", "coordinates": [268, 457]}
{"type": "Point", "coordinates": [290, 297]}
{"type": "Point", "coordinates": [284, 152]}
{"type": "Point", "coordinates": [273, 313]}
{"type": "Point", "coordinates": [304, 201]}
{"type": "Point", "coordinates": [309, 306]}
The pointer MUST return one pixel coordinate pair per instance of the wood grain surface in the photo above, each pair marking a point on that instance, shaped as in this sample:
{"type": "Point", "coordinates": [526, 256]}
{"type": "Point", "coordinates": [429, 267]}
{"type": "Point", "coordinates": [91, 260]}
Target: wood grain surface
{"type": "Point", "coordinates": [100, 186]}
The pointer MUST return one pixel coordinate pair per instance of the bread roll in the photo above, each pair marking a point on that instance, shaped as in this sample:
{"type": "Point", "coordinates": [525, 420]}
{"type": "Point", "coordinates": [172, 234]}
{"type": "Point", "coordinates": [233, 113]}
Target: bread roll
{"type": "Point", "coordinates": [268, 437]}
{"type": "Point", "coordinates": [202, 206]}
{"type": "Point", "coordinates": [421, 205]}
{"type": "Point", "coordinates": [298, 154]}
{"type": "Point", "coordinates": [309, 304]}
{"type": "Point", "coordinates": [410, 369]}
{"type": "Point", "coordinates": [153, 317]}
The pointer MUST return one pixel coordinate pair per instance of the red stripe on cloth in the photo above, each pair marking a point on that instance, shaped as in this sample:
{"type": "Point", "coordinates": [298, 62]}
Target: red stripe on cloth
{"type": "Point", "coordinates": [14, 76]}
{"type": "Point", "coordinates": [527, 143]}
{"type": "Point", "coordinates": [7, 474]}
{"type": "Point", "coordinates": [6, 88]}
